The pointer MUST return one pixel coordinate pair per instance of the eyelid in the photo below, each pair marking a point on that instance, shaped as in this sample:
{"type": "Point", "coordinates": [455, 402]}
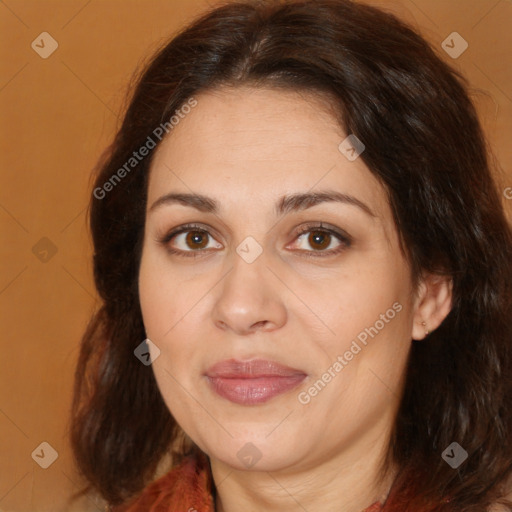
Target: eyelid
{"type": "Point", "coordinates": [183, 229]}
{"type": "Point", "coordinates": [322, 226]}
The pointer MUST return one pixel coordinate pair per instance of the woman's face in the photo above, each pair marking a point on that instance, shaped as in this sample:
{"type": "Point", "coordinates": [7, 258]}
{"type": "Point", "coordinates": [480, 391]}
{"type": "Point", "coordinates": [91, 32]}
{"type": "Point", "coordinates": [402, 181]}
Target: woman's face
{"type": "Point", "coordinates": [282, 343]}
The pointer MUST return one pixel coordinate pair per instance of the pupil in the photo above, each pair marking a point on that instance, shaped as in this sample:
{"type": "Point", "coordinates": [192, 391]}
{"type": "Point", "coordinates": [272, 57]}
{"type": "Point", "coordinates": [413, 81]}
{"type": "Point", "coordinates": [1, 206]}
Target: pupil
{"type": "Point", "coordinates": [195, 238]}
{"type": "Point", "coordinates": [319, 238]}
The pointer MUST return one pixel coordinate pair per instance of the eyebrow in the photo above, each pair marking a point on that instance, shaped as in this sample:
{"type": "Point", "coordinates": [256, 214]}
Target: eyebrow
{"type": "Point", "coordinates": [286, 204]}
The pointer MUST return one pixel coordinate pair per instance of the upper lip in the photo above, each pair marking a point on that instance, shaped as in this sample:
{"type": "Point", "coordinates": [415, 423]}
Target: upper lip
{"type": "Point", "coordinates": [233, 368]}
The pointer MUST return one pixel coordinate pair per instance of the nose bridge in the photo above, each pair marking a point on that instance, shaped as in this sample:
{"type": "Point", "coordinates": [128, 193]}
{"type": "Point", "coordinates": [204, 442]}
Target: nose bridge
{"type": "Point", "coordinates": [248, 278]}
{"type": "Point", "coordinates": [247, 259]}
{"type": "Point", "coordinates": [249, 294]}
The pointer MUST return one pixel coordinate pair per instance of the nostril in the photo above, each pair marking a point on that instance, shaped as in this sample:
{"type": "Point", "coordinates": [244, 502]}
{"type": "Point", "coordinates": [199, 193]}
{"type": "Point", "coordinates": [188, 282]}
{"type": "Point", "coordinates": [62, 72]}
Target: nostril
{"type": "Point", "coordinates": [261, 323]}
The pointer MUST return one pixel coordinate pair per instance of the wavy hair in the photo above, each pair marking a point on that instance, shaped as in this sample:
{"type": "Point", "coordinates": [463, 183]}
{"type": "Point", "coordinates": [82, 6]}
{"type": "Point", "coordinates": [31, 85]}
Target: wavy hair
{"type": "Point", "coordinates": [423, 142]}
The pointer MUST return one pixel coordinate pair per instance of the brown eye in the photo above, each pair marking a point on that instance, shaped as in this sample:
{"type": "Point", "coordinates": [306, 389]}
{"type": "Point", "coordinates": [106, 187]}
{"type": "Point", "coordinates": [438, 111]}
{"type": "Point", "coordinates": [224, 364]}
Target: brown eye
{"type": "Point", "coordinates": [196, 239]}
{"type": "Point", "coordinates": [319, 240]}
{"type": "Point", "coordinates": [190, 240]}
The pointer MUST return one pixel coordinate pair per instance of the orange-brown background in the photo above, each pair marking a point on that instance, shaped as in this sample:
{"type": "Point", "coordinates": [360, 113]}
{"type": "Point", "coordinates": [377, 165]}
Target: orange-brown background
{"type": "Point", "coordinates": [57, 116]}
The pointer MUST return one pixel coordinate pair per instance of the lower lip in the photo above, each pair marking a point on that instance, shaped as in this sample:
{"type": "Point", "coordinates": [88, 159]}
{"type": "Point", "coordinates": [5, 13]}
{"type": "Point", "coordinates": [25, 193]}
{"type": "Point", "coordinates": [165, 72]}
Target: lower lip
{"type": "Point", "coordinates": [253, 391]}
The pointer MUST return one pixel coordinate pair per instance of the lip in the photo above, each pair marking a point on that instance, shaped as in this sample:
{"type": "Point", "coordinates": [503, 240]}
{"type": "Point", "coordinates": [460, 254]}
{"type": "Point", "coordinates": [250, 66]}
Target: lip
{"type": "Point", "coordinates": [252, 382]}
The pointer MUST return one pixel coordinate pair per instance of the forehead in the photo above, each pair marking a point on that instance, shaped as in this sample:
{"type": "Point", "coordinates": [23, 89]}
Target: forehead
{"type": "Point", "coordinates": [241, 143]}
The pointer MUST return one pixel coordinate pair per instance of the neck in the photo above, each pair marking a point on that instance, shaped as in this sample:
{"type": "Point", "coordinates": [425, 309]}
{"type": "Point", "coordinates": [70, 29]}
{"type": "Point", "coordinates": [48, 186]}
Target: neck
{"type": "Point", "coordinates": [348, 481]}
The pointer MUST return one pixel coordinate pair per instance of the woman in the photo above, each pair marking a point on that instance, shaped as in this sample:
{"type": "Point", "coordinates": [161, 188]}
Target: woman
{"type": "Point", "coordinates": [306, 277]}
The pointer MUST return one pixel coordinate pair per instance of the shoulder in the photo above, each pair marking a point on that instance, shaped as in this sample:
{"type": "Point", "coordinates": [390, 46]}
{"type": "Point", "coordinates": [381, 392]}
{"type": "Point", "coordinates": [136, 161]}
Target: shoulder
{"type": "Point", "coordinates": [186, 487]}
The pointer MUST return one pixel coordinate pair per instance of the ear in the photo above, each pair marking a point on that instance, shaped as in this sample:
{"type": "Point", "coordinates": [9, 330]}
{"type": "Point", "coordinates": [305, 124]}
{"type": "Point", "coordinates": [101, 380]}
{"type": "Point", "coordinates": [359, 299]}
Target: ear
{"type": "Point", "coordinates": [432, 305]}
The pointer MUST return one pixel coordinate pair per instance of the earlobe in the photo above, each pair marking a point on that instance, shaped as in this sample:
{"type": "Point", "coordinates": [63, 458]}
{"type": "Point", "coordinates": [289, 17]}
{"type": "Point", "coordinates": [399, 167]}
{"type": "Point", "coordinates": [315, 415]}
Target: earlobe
{"type": "Point", "coordinates": [433, 303]}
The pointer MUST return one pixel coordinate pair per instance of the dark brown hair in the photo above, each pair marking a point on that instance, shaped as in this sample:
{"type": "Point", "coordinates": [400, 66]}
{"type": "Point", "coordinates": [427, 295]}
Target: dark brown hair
{"type": "Point", "coordinates": [423, 142]}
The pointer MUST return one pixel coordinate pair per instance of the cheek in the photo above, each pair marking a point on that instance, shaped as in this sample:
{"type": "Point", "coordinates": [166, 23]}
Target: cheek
{"type": "Point", "coordinates": [364, 304]}
{"type": "Point", "coordinates": [164, 299]}
{"type": "Point", "coordinates": [170, 311]}
{"type": "Point", "coordinates": [154, 302]}
{"type": "Point", "coordinates": [162, 308]}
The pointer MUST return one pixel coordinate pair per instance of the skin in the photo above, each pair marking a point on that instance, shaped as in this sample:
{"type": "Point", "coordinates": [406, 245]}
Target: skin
{"type": "Point", "coordinates": [246, 148]}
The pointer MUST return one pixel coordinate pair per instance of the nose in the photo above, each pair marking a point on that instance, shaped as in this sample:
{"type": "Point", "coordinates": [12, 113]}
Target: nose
{"type": "Point", "coordinates": [250, 299]}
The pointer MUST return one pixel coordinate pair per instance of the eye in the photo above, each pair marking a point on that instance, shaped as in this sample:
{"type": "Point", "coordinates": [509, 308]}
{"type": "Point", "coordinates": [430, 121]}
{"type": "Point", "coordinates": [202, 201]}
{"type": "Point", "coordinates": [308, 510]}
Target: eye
{"type": "Point", "coordinates": [192, 240]}
{"type": "Point", "coordinates": [189, 239]}
{"type": "Point", "coordinates": [323, 241]}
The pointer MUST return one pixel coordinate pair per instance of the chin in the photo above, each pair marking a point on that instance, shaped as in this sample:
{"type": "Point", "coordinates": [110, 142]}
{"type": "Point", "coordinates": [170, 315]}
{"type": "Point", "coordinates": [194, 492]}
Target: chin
{"type": "Point", "coordinates": [255, 452]}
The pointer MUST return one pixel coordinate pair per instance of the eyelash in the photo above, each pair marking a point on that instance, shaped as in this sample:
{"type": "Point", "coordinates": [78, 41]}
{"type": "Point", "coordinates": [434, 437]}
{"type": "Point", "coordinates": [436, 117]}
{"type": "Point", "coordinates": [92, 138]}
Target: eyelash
{"type": "Point", "coordinates": [342, 237]}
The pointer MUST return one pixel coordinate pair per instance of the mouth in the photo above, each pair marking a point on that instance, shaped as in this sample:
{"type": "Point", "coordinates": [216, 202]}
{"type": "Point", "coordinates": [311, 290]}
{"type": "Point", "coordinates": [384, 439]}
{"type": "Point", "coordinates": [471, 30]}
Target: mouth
{"type": "Point", "coordinates": [252, 382]}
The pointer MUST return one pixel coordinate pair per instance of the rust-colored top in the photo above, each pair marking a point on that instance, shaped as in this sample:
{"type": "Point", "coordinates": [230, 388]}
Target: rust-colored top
{"type": "Point", "coordinates": [186, 488]}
